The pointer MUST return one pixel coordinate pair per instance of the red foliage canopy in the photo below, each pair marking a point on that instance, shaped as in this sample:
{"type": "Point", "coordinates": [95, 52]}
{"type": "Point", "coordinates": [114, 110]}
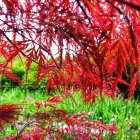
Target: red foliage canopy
{"type": "Point", "coordinates": [94, 40]}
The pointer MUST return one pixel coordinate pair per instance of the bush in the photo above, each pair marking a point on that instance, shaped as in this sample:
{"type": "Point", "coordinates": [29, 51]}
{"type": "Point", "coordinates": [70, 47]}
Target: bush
{"type": "Point", "coordinates": [20, 70]}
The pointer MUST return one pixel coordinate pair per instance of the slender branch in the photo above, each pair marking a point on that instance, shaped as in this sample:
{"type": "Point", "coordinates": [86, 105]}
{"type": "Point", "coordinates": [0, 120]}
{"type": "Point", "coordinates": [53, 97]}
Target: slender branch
{"type": "Point", "coordinates": [120, 12]}
{"type": "Point", "coordinates": [15, 30]}
{"type": "Point", "coordinates": [23, 128]}
{"type": "Point", "coordinates": [21, 51]}
{"type": "Point", "coordinates": [12, 43]}
{"type": "Point", "coordinates": [83, 11]}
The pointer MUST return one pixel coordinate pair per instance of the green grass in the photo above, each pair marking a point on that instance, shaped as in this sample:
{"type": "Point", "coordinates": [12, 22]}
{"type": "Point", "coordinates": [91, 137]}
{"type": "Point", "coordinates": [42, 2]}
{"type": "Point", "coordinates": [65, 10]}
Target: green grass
{"type": "Point", "coordinates": [125, 115]}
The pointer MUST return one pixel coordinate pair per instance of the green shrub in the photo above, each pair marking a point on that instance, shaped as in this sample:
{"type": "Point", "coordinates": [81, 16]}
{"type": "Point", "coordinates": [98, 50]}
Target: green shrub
{"type": "Point", "coordinates": [20, 70]}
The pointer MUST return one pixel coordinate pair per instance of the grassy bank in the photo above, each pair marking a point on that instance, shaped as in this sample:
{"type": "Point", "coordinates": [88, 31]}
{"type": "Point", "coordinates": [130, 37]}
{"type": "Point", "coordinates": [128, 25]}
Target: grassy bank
{"type": "Point", "coordinates": [124, 115]}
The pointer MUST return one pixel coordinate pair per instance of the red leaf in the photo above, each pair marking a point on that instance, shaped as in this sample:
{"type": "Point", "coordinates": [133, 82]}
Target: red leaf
{"type": "Point", "coordinates": [54, 99]}
{"type": "Point", "coordinates": [69, 121]}
{"type": "Point", "coordinates": [66, 3]}
{"type": "Point", "coordinates": [59, 112]}
{"type": "Point", "coordinates": [11, 76]}
{"type": "Point", "coordinates": [40, 104]}
{"type": "Point", "coordinates": [8, 112]}
{"type": "Point", "coordinates": [132, 85]}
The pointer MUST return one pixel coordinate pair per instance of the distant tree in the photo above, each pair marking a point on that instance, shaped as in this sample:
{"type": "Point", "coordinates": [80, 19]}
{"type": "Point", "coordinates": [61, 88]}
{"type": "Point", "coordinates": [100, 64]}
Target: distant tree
{"type": "Point", "coordinates": [95, 40]}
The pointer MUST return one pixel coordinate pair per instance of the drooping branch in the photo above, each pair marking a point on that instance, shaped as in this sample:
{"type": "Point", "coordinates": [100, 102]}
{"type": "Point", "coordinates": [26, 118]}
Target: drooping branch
{"type": "Point", "coordinates": [130, 26]}
{"type": "Point", "coordinates": [131, 34]}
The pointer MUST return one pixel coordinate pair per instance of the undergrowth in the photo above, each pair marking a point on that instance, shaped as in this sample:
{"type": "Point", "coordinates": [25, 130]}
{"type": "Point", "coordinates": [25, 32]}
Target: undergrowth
{"type": "Point", "coordinates": [117, 112]}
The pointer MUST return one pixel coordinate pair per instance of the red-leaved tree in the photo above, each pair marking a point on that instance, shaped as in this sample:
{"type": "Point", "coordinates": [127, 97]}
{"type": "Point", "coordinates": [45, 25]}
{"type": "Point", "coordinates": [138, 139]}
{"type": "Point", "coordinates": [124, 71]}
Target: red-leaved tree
{"type": "Point", "coordinates": [94, 42]}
